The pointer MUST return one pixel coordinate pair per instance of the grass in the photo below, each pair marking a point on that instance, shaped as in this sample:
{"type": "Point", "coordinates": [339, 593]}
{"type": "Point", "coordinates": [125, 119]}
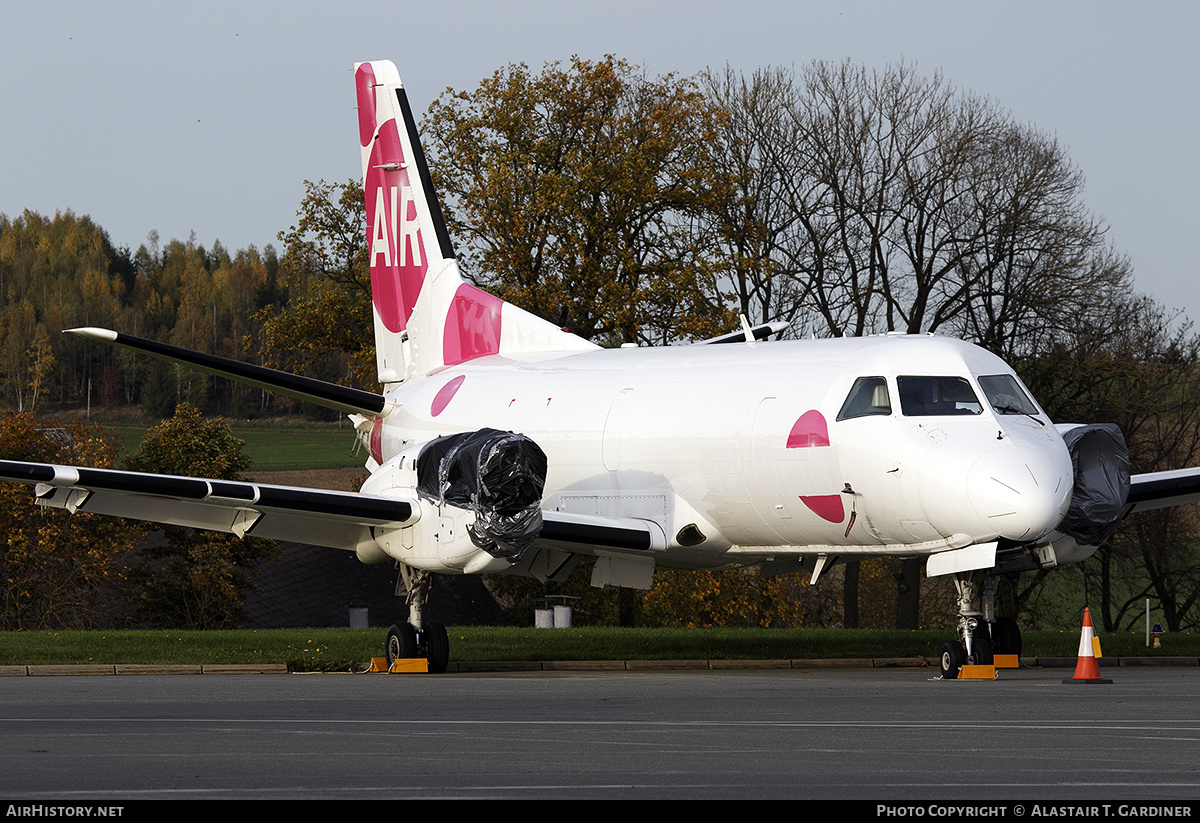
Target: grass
{"type": "Point", "coordinates": [280, 447]}
{"type": "Point", "coordinates": [350, 649]}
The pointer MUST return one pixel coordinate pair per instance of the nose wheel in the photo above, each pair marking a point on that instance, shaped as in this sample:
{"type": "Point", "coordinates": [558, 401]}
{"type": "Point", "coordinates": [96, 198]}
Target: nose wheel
{"type": "Point", "coordinates": [981, 634]}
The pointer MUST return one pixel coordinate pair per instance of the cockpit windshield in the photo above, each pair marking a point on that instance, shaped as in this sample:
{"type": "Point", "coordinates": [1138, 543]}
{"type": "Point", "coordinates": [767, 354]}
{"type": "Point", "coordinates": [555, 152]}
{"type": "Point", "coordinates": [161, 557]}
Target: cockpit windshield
{"type": "Point", "coordinates": [937, 396]}
{"type": "Point", "coordinates": [1006, 395]}
{"type": "Point", "coordinates": [868, 395]}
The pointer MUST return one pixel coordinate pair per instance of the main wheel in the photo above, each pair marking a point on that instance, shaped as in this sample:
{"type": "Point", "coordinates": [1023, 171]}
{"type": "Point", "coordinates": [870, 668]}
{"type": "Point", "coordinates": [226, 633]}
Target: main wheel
{"type": "Point", "coordinates": [981, 651]}
{"type": "Point", "coordinates": [437, 647]}
{"type": "Point", "coordinates": [401, 642]}
{"type": "Point", "coordinates": [953, 657]}
{"type": "Point", "coordinates": [1007, 636]}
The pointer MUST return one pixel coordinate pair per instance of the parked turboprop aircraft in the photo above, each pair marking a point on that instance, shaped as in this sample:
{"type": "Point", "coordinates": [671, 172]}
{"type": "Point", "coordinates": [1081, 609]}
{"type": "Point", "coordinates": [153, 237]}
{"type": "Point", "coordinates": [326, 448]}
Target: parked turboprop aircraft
{"type": "Point", "coordinates": [501, 443]}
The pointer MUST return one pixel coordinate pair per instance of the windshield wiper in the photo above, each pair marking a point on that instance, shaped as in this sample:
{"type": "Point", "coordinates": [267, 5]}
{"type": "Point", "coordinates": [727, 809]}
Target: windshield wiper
{"type": "Point", "coordinates": [1015, 410]}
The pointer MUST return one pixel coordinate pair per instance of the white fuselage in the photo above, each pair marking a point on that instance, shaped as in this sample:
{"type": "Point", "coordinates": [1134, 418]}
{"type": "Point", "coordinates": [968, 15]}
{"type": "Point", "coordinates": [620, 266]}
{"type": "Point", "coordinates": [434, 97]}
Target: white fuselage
{"type": "Point", "coordinates": [743, 444]}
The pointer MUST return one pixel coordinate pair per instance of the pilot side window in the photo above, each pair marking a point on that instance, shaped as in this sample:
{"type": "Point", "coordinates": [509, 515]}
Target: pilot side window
{"type": "Point", "coordinates": [868, 395]}
{"type": "Point", "coordinates": [936, 396]}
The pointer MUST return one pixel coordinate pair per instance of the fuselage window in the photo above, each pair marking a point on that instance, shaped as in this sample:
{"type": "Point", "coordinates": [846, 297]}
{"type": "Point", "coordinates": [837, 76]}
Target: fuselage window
{"type": "Point", "coordinates": [1006, 395]}
{"type": "Point", "coordinates": [868, 395]}
{"type": "Point", "coordinates": [937, 396]}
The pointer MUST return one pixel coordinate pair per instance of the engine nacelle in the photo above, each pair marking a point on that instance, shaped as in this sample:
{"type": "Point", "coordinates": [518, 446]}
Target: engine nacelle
{"type": "Point", "coordinates": [1101, 462]}
{"type": "Point", "coordinates": [478, 500]}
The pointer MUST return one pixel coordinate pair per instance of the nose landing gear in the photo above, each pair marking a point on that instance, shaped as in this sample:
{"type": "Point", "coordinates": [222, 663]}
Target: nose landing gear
{"type": "Point", "coordinates": [981, 636]}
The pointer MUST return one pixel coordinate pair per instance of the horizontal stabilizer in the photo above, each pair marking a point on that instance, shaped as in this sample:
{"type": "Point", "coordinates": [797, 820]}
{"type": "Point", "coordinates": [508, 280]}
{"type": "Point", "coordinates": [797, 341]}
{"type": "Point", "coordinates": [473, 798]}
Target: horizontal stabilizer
{"type": "Point", "coordinates": [759, 332]}
{"type": "Point", "coordinates": [330, 395]}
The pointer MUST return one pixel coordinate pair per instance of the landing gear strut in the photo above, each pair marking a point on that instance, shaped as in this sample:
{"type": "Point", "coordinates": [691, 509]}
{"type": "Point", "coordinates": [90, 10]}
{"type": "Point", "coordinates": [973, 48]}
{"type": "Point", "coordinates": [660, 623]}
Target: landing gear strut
{"type": "Point", "coordinates": [417, 637]}
{"type": "Point", "coordinates": [980, 634]}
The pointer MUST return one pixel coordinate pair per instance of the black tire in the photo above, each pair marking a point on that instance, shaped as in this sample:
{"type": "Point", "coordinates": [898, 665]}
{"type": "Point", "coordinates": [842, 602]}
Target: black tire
{"type": "Point", "coordinates": [401, 643]}
{"type": "Point", "coordinates": [953, 657]}
{"type": "Point", "coordinates": [437, 647]}
{"type": "Point", "coordinates": [1007, 635]}
{"type": "Point", "coordinates": [981, 651]}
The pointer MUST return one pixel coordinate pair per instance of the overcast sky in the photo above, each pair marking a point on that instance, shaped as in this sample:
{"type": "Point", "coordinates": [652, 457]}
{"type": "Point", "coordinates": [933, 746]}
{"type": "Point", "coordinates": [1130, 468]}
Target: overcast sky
{"type": "Point", "coordinates": [207, 117]}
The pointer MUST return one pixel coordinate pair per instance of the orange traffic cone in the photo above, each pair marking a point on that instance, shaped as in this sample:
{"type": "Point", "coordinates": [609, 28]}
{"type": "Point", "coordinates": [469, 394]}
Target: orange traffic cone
{"type": "Point", "coordinates": [1086, 668]}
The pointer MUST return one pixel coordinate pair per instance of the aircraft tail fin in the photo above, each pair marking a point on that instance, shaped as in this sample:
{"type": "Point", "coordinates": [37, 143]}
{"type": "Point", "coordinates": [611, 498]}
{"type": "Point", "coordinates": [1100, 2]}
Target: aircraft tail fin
{"type": "Point", "coordinates": [426, 315]}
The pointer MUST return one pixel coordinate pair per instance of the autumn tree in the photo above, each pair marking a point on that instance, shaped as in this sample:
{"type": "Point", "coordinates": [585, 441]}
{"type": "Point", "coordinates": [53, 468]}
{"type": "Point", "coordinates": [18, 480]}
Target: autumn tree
{"type": "Point", "coordinates": [57, 570]}
{"type": "Point", "coordinates": [576, 193]}
{"type": "Point", "coordinates": [55, 273]}
{"type": "Point", "coordinates": [322, 324]}
{"type": "Point", "coordinates": [734, 598]}
{"type": "Point", "coordinates": [195, 579]}
{"type": "Point", "coordinates": [63, 272]}
{"type": "Point", "coordinates": [40, 367]}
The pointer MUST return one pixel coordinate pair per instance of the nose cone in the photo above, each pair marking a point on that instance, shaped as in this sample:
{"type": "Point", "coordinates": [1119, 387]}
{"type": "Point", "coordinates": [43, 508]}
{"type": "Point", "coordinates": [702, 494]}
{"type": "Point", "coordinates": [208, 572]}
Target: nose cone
{"type": "Point", "coordinates": [1023, 493]}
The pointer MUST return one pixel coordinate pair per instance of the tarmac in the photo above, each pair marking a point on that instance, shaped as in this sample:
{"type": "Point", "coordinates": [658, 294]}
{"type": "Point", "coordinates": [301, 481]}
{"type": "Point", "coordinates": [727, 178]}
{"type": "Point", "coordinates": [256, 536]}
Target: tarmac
{"type": "Point", "coordinates": [632, 730]}
{"type": "Point", "coordinates": [465, 667]}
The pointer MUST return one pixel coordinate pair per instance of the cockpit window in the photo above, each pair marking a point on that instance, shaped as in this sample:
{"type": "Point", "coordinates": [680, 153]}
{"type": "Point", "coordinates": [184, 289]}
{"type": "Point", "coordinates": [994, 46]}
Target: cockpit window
{"type": "Point", "coordinates": [937, 396]}
{"type": "Point", "coordinates": [868, 395]}
{"type": "Point", "coordinates": [1006, 395]}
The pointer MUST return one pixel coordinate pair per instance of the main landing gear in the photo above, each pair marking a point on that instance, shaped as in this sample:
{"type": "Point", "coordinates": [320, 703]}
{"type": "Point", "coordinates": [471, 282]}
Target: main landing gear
{"type": "Point", "coordinates": [417, 637]}
{"type": "Point", "coordinates": [981, 635]}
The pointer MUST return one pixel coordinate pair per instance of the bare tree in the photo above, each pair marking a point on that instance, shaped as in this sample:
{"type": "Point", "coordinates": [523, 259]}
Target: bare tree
{"type": "Point", "coordinates": [758, 229]}
{"type": "Point", "coordinates": [872, 201]}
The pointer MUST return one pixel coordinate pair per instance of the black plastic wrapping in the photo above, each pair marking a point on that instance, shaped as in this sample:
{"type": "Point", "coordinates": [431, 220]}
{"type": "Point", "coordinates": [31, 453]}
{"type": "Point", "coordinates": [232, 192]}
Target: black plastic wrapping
{"type": "Point", "coordinates": [1101, 462]}
{"type": "Point", "coordinates": [497, 475]}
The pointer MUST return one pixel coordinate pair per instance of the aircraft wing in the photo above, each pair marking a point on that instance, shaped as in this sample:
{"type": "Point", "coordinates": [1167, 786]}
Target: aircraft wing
{"type": "Point", "coordinates": [1158, 490]}
{"type": "Point", "coordinates": [317, 517]}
